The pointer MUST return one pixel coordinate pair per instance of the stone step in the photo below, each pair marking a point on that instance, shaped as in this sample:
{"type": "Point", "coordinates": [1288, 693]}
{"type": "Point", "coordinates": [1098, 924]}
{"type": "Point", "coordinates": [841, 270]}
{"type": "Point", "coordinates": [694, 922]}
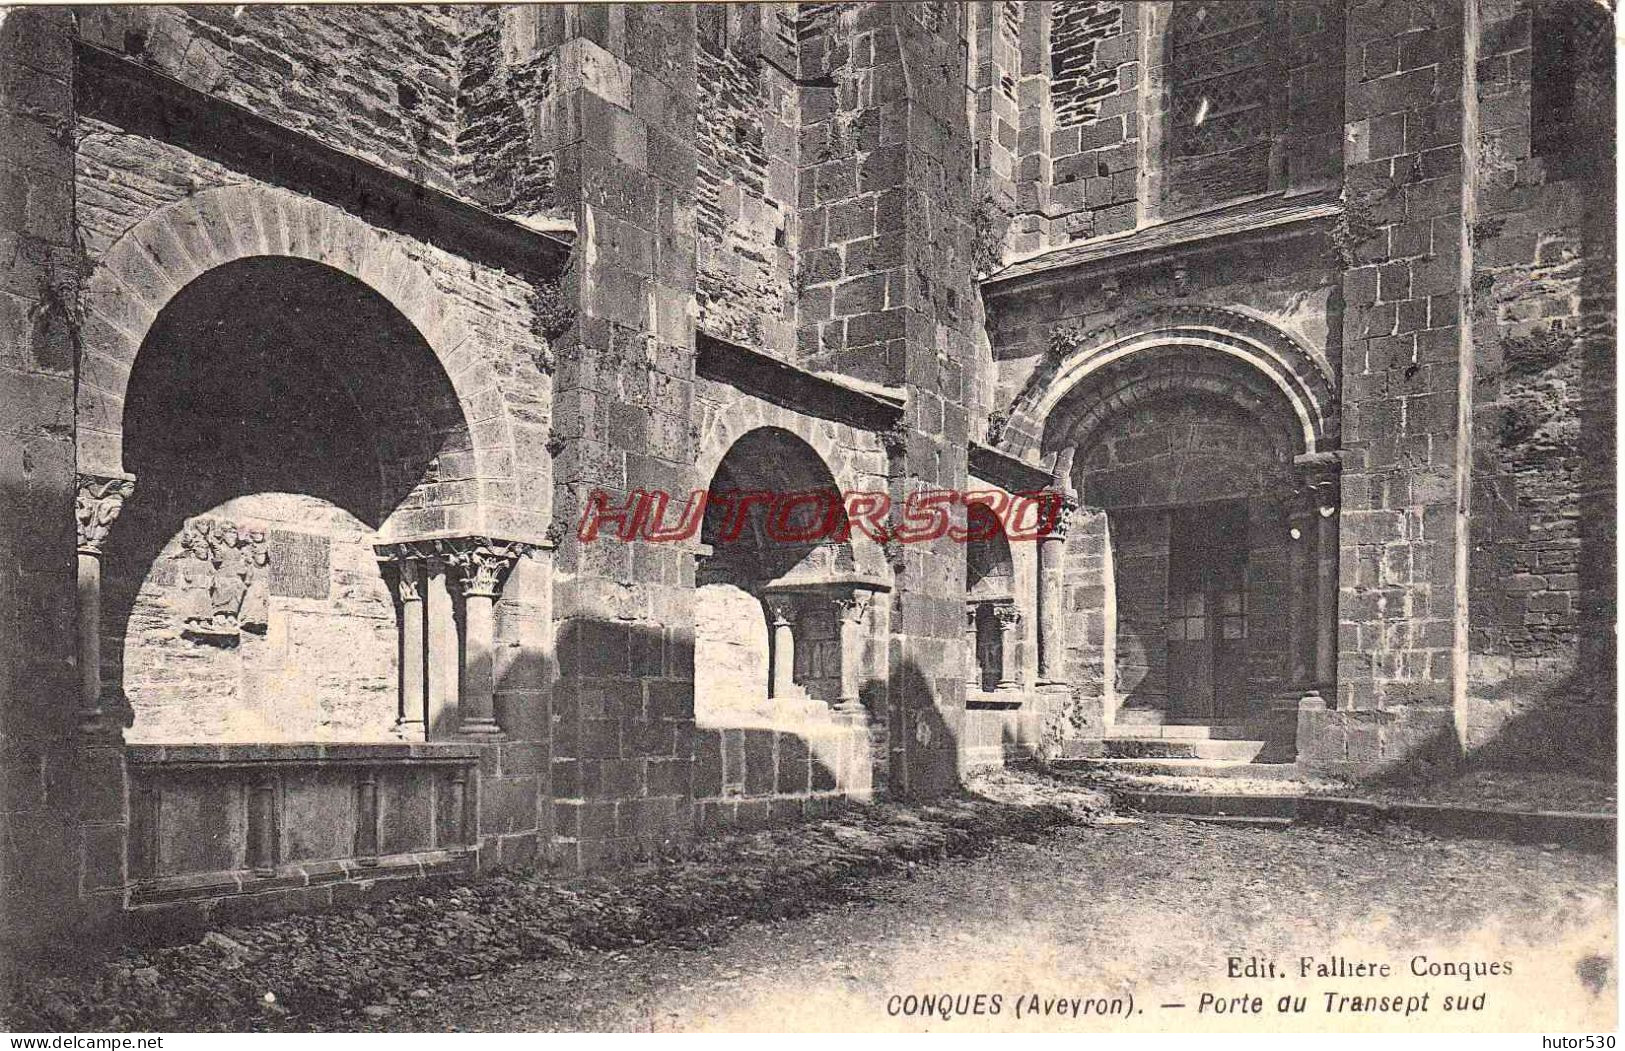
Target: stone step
{"type": "Point", "coordinates": [1239, 768]}
{"type": "Point", "coordinates": [1140, 717]}
{"type": "Point", "coordinates": [1206, 804]}
{"type": "Point", "coordinates": [1230, 820]}
{"type": "Point", "coordinates": [1181, 730]}
{"type": "Point", "coordinates": [1142, 747]}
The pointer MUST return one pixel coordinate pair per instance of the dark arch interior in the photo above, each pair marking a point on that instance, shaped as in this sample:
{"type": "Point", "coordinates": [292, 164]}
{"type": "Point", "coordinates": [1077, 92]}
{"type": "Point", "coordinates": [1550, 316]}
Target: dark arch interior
{"type": "Point", "coordinates": [987, 555]}
{"type": "Point", "coordinates": [278, 379]}
{"type": "Point", "coordinates": [770, 460]}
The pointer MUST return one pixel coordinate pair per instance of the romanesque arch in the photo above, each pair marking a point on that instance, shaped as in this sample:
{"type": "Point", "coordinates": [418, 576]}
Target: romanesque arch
{"type": "Point", "coordinates": [498, 386]}
{"type": "Point", "coordinates": [1193, 436]}
{"type": "Point", "coordinates": [854, 459]}
{"type": "Point", "coordinates": [1304, 378]}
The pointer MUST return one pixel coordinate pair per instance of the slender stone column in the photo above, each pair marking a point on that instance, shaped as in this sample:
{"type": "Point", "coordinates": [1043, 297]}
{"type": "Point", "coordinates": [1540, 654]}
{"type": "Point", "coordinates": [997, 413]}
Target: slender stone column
{"type": "Point", "coordinates": [484, 564]}
{"type": "Point", "coordinates": [1320, 493]}
{"type": "Point", "coordinates": [1305, 591]}
{"type": "Point", "coordinates": [410, 721]}
{"type": "Point", "coordinates": [973, 659]}
{"type": "Point", "coordinates": [783, 619]}
{"type": "Point", "coordinates": [96, 505]}
{"type": "Point", "coordinates": [1051, 602]}
{"type": "Point", "coordinates": [1326, 611]}
{"type": "Point", "coordinates": [851, 612]}
{"type": "Point", "coordinates": [1009, 618]}
{"type": "Point", "coordinates": [444, 659]}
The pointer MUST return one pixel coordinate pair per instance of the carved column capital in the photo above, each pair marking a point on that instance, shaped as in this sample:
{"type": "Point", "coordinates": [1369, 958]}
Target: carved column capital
{"type": "Point", "coordinates": [483, 562]}
{"type": "Point", "coordinates": [1063, 522]}
{"type": "Point", "coordinates": [1317, 481]}
{"type": "Point", "coordinates": [784, 610]}
{"type": "Point", "coordinates": [408, 563]}
{"type": "Point", "coordinates": [853, 608]}
{"type": "Point", "coordinates": [1007, 615]}
{"type": "Point", "coordinates": [97, 503]}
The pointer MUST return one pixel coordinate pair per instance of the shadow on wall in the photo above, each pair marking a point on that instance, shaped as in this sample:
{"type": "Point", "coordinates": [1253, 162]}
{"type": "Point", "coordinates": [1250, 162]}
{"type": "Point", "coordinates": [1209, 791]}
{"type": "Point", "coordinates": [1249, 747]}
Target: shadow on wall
{"type": "Point", "coordinates": [295, 410]}
{"type": "Point", "coordinates": [632, 771]}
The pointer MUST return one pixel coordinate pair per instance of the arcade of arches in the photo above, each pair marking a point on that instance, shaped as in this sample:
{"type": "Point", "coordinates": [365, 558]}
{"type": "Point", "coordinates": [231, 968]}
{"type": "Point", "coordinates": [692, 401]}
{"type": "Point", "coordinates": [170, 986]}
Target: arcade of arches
{"type": "Point", "coordinates": [325, 348]}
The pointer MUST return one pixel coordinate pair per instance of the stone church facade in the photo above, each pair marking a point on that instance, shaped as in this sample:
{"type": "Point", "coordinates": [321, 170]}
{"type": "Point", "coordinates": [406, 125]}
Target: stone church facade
{"type": "Point", "coordinates": [325, 327]}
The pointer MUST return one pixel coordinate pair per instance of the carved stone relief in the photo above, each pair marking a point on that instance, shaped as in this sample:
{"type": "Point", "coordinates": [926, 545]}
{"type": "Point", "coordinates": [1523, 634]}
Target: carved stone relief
{"type": "Point", "coordinates": [223, 572]}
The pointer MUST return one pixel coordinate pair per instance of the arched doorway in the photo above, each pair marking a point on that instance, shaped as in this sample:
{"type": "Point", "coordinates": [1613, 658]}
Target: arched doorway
{"type": "Point", "coordinates": [279, 415]}
{"type": "Point", "coordinates": [776, 585]}
{"type": "Point", "coordinates": [1200, 460]}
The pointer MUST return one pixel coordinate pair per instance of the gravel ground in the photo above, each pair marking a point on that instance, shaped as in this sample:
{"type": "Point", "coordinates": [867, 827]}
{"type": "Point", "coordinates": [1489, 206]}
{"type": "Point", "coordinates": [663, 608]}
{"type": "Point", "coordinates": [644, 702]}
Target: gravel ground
{"type": "Point", "coordinates": [1149, 909]}
{"type": "Point", "coordinates": [1487, 789]}
{"type": "Point", "coordinates": [1505, 790]}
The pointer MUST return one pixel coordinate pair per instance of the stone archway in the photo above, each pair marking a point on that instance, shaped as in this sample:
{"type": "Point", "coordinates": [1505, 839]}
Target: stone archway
{"type": "Point", "coordinates": [494, 387]}
{"type": "Point", "coordinates": [496, 381]}
{"type": "Point", "coordinates": [281, 417]}
{"type": "Point", "coordinates": [779, 623]}
{"type": "Point", "coordinates": [1201, 418]}
{"type": "Point", "coordinates": [1260, 351]}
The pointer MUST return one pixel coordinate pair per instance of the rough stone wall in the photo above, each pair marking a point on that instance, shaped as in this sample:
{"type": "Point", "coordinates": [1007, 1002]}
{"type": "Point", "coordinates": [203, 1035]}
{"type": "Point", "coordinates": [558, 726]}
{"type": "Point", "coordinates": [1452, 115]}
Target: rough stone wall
{"type": "Point", "coordinates": [748, 777]}
{"type": "Point", "coordinates": [1095, 100]}
{"type": "Point", "coordinates": [504, 81]}
{"type": "Point", "coordinates": [622, 125]}
{"type": "Point", "coordinates": [901, 307]}
{"type": "Point", "coordinates": [1537, 692]}
{"type": "Point", "coordinates": [1243, 100]}
{"type": "Point", "coordinates": [745, 197]}
{"type": "Point", "coordinates": [377, 82]}
{"type": "Point", "coordinates": [1091, 617]}
{"type": "Point", "coordinates": [62, 805]}
{"type": "Point", "coordinates": [995, 65]}
{"type": "Point", "coordinates": [1402, 375]}
{"type": "Point", "coordinates": [324, 668]}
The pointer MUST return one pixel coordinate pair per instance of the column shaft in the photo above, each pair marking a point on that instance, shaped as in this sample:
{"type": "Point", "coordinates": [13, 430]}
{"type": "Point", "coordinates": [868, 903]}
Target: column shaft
{"type": "Point", "coordinates": [1010, 648]}
{"type": "Point", "coordinates": [1326, 609]}
{"type": "Point", "coordinates": [784, 658]}
{"type": "Point", "coordinates": [973, 659]}
{"type": "Point", "coordinates": [444, 658]}
{"type": "Point", "coordinates": [90, 639]}
{"type": "Point", "coordinates": [1051, 616]}
{"type": "Point", "coordinates": [414, 684]}
{"type": "Point", "coordinates": [479, 682]}
{"type": "Point", "coordinates": [1305, 600]}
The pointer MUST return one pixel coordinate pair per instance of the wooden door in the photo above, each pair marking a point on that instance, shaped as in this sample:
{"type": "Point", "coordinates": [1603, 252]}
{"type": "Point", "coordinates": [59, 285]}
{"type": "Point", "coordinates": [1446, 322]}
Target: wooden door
{"type": "Point", "coordinates": [1207, 612]}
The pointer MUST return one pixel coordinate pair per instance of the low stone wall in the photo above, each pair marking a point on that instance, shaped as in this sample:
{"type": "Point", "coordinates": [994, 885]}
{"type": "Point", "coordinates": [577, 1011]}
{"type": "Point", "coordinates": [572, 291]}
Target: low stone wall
{"type": "Point", "coordinates": [1355, 742]}
{"type": "Point", "coordinates": [243, 831]}
{"type": "Point", "coordinates": [999, 726]}
{"type": "Point", "coordinates": [751, 776]}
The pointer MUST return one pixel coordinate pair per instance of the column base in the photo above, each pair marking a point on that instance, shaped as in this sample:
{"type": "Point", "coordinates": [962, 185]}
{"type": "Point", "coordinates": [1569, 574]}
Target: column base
{"type": "Point", "coordinates": [411, 729]}
{"type": "Point", "coordinates": [1054, 686]}
{"type": "Point", "coordinates": [850, 709]}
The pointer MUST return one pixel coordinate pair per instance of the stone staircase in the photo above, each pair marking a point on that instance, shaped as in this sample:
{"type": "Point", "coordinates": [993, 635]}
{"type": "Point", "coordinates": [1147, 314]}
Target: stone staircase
{"type": "Point", "coordinates": [1141, 741]}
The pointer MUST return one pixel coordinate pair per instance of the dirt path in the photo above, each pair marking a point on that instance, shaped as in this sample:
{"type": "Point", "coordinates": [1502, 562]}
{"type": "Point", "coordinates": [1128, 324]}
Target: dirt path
{"type": "Point", "coordinates": [1151, 911]}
